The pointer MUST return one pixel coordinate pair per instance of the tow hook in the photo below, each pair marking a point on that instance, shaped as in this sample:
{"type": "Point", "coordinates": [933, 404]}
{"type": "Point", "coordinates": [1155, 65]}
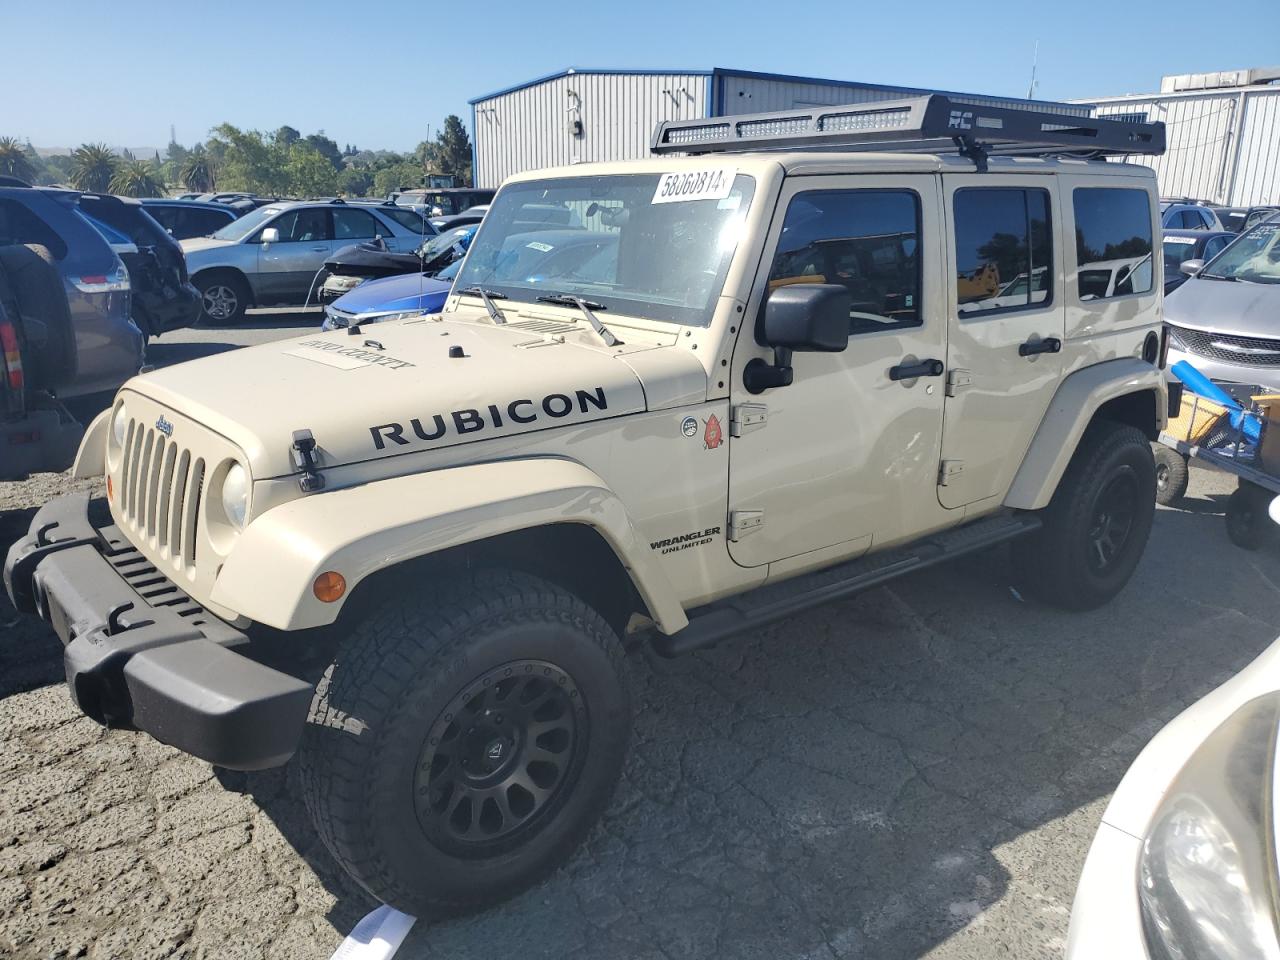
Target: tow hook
{"type": "Point", "coordinates": [304, 458]}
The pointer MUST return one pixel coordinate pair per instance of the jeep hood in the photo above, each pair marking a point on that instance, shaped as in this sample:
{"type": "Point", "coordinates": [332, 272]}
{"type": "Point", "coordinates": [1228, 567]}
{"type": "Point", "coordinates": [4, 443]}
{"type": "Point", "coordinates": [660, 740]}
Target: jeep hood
{"type": "Point", "coordinates": [397, 389]}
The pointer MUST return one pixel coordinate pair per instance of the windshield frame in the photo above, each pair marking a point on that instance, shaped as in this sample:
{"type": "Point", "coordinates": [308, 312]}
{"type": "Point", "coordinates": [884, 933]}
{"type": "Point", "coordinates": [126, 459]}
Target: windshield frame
{"type": "Point", "coordinates": [643, 305]}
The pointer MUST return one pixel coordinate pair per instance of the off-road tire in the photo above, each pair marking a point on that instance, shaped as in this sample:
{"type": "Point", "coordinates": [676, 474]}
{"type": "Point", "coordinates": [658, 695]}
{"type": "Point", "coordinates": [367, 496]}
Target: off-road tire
{"type": "Point", "coordinates": [1061, 563]}
{"type": "Point", "coordinates": [33, 294]}
{"type": "Point", "coordinates": [1173, 473]}
{"type": "Point", "coordinates": [222, 286]}
{"type": "Point", "coordinates": [1249, 523]}
{"type": "Point", "coordinates": [367, 758]}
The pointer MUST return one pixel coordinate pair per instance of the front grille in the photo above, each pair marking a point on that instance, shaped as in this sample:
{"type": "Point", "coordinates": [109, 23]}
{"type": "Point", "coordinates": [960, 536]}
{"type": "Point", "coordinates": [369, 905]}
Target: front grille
{"type": "Point", "coordinates": [1227, 348]}
{"type": "Point", "coordinates": [160, 489]}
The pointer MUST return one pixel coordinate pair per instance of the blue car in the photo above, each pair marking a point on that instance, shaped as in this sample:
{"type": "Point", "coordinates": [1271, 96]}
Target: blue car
{"type": "Point", "coordinates": [391, 298]}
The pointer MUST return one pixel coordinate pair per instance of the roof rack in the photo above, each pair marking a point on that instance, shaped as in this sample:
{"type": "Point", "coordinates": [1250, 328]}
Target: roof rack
{"type": "Point", "coordinates": [927, 124]}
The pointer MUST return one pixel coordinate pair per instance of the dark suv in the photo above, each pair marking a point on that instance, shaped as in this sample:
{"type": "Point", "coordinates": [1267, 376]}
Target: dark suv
{"type": "Point", "coordinates": [444, 202]}
{"type": "Point", "coordinates": [184, 219]}
{"type": "Point", "coordinates": [108, 347]}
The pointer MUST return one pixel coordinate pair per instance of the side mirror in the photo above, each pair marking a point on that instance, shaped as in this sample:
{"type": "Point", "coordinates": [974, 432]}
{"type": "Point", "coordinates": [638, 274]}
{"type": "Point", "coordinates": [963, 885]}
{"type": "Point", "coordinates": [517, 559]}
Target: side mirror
{"type": "Point", "coordinates": [269, 236]}
{"type": "Point", "coordinates": [809, 317]}
{"type": "Point", "coordinates": [1191, 267]}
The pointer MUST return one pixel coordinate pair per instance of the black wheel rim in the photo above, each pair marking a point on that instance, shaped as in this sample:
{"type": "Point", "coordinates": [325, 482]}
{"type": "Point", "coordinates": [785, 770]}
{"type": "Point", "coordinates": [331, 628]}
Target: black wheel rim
{"type": "Point", "coordinates": [1112, 521]}
{"type": "Point", "coordinates": [499, 758]}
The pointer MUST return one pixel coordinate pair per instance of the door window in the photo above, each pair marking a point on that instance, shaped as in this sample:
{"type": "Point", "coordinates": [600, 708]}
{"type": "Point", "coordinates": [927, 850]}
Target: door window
{"type": "Point", "coordinates": [1214, 247]}
{"type": "Point", "coordinates": [356, 225]}
{"type": "Point", "coordinates": [1004, 258]}
{"type": "Point", "coordinates": [865, 240]}
{"type": "Point", "coordinates": [1113, 242]}
{"type": "Point", "coordinates": [306, 225]}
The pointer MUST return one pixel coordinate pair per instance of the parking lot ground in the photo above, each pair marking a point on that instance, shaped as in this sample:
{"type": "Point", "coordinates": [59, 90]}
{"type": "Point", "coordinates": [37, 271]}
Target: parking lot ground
{"type": "Point", "coordinates": [914, 773]}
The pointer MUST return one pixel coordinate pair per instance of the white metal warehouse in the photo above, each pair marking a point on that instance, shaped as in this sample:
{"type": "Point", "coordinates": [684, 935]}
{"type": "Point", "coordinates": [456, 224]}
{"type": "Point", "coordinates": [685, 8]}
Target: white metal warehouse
{"type": "Point", "coordinates": [583, 115]}
{"type": "Point", "coordinates": [1223, 132]}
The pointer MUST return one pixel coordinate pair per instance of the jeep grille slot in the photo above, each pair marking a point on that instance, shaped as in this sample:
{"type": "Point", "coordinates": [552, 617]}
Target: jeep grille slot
{"type": "Point", "coordinates": [160, 489]}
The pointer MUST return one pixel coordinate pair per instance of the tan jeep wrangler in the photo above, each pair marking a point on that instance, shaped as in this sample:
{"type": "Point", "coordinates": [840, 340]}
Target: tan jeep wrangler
{"type": "Point", "coordinates": [674, 398]}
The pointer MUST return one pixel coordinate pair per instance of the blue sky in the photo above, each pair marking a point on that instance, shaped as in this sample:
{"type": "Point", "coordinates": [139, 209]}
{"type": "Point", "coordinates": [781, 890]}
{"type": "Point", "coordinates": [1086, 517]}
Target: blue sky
{"type": "Point", "coordinates": [377, 74]}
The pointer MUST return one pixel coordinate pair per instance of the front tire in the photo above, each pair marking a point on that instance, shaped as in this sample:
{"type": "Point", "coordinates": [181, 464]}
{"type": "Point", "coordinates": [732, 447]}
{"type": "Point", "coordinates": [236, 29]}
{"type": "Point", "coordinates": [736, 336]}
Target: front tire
{"type": "Point", "coordinates": [463, 743]}
{"type": "Point", "coordinates": [1097, 524]}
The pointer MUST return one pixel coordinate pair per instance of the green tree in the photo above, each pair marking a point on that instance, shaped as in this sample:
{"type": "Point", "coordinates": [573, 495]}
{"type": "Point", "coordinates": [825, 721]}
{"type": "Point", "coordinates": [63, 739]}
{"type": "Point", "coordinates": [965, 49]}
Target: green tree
{"type": "Point", "coordinates": [138, 178]}
{"type": "Point", "coordinates": [14, 161]}
{"type": "Point", "coordinates": [452, 151]}
{"type": "Point", "coordinates": [92, 167]}
{"type": "Point", "coordinates": [246, 161]}
{"type": "Point", "coordinates": [287, 136]}
{"type": "Point", "coordinates": [354, 181]}
{"type": "Point", "coordinates": [309, 173]}
{"type": "Point", "coordinates": [327, 148]}
{"type": "Point", "coordinates": [196, 173]}
{"type": "Point", "coordinates": [404, 174]}
{"type": "Point", "coordinates": [55, 169]}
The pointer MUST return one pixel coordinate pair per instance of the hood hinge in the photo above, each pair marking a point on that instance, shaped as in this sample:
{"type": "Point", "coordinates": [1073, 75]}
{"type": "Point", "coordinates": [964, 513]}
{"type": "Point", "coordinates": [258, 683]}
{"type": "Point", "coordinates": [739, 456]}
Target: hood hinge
{"type": "Point", "coordinates": [304, 458]}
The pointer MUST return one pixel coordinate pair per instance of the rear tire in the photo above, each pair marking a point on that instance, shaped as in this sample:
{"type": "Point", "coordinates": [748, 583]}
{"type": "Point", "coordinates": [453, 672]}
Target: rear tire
{"type": "Point", "coordinates": [224, 297]}
{"type": "Point", "coordinates": [1249, 523]}
{"type": "Point", "coordinates": [463, 743]}
{"type": "Point", "coordinates": [1173, 473]}
{"type": "Point", "coordinates": [1097, 524]}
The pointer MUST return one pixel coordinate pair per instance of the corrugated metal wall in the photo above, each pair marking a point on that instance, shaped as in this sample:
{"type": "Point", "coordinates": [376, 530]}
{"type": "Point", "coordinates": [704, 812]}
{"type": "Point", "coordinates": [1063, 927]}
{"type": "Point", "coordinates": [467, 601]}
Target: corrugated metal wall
{"type": "Point", "coordinates": [530, 128]}
{"type": "Point", "coordinates": [1223, 146]}
{"type": "Point", "coordinates": [745, 94]}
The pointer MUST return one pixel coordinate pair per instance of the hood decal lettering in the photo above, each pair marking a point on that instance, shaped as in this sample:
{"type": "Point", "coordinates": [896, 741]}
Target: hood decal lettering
{"type": "Point", "coordinates": [466, 421]}
{"type": "Point", "coordinates": [370, 357]}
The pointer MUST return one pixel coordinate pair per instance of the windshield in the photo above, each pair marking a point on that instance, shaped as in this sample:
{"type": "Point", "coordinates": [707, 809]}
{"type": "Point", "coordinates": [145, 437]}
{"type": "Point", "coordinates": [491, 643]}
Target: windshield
{"type": "Point", "coordinates": [1254, 257]}
{"type": "Point", "coordinates": [442, 242]}
{"type": "Point", "coordinates": [239, 229]}
{"type": "Point", "coordinates": [614, 240]}
{"type": "Point", "coordinates": [1177, 249]}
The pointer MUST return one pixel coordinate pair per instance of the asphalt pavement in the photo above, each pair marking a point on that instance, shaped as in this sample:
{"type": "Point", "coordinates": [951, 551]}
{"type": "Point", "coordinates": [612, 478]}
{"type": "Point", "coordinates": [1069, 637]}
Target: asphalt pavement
{"type": "Point", "coordinates": [915, 773]}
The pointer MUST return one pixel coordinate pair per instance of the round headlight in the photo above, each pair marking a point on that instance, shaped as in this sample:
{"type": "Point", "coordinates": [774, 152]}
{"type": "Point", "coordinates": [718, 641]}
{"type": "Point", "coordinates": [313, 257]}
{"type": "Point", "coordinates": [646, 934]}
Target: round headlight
{"type": "Point", "coordinates": [235, 495]}
{"type": "Point", "coordinates": [120, 425]}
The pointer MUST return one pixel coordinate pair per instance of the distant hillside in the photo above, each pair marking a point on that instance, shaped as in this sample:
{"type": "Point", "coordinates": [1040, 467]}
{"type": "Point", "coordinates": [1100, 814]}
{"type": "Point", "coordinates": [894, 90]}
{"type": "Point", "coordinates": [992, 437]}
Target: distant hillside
{"type": "Point", "coordinates": [142, 153]}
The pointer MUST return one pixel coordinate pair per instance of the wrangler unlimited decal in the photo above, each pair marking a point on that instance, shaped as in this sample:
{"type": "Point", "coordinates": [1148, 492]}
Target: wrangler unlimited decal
{"type": "Point", "coordinates": [686, 540]}
{"type": "Point", "coordinates": [553, 405]}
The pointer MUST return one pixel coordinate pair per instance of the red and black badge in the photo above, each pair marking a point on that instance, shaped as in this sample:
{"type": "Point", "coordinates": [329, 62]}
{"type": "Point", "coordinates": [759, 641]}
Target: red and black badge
{"type": "Point", "coordinates": [712, 437]}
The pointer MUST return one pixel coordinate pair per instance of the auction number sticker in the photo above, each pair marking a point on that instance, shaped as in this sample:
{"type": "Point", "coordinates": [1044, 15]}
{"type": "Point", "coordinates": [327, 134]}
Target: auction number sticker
{"type": "Point", "coordinates": [713, 184]}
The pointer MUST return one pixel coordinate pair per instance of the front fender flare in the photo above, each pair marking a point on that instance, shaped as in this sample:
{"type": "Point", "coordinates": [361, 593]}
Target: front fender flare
{"type": "Point", "coordinates": [91, 458]}
{"type": "Point", "coordinates": [360, 530]}
{"type": "Point", "coordinates": [1074, 404]}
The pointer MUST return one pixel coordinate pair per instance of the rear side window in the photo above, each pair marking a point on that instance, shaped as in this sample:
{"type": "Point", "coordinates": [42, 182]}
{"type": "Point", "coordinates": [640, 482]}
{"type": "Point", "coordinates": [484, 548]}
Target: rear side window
{"type": "Point", "coordinates": [355, 225]}
{"type": "Point", "coordinates": [865, 240]}
{"type": "Point", "coordinates": [305, 225]}
{"type": "Point", "coordinates": [1113, 242]}
{"type": "Point", "coordinates": [1004, 255]}
{"type": "Point", "coordinates": [19, 225]}
{"type": "Point", "coordinates": [406, 217]}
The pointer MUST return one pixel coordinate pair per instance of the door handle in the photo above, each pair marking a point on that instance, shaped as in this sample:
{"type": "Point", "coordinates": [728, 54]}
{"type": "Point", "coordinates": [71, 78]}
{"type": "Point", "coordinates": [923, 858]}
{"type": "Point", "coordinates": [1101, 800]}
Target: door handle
{"type": "Point", "coordinates": [1032, 347]}
{"type": "Point", "coordinates": [319, 249]}
{"type": "Point", "coordinates": [922, 368]}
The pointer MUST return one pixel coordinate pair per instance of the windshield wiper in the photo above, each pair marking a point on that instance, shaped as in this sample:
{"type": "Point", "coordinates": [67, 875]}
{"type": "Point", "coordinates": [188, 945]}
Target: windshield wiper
{"type": "Point", "coordinates": [488, 296]}
{"type": "Point", "coordinates": [586, 306]}
{"type": "Point", "coordinates": [1216, 276]}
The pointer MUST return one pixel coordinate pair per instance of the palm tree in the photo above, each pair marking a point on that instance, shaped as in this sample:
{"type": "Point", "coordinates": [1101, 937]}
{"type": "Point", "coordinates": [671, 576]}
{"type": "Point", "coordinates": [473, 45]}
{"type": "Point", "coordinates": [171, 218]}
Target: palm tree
{"type": "Point", "coordinates": [197, 172]}
{"type": "Point", "coordinates": [138, 178]}
{"type": "Point", "coordinates": [92, 167]}
{"type": "Point", "coordinates": [14, 161]}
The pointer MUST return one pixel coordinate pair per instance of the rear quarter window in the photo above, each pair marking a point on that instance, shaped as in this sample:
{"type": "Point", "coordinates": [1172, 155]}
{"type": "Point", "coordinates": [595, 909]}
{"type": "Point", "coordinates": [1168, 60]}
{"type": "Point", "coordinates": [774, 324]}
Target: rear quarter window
{"type": "Point", "coordinates": [18, 224]}
{"type": "Point", "coordinates": [1113, 242]}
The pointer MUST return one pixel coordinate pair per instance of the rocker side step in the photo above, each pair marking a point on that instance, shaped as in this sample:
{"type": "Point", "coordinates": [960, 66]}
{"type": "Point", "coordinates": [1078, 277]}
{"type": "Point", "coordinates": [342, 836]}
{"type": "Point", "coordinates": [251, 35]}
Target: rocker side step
{"type": "Point", "coordinates": [767, 604]}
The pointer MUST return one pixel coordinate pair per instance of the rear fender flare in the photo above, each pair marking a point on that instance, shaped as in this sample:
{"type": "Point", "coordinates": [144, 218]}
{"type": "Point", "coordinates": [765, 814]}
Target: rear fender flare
{"type": "Point", "coordinates": [1077, 400]}
{"type": "Point", "coordinates": [360, 530]}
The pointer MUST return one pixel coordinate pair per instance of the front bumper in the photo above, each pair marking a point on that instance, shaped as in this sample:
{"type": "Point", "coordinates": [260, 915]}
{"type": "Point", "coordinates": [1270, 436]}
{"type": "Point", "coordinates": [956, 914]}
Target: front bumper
{"type": "Point", "coordinates": [140, 654]}
{"type": "Point", "coordinates": [1106, 917]}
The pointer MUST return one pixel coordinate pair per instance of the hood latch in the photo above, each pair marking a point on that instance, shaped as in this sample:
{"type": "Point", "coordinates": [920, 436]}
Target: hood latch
{"type": "Point", "coordinates": [304, 458]}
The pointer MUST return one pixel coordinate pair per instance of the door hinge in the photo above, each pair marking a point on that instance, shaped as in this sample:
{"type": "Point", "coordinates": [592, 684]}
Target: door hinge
{"type": "Point", "coordinates": [743, 522]}
{"type": "Point", "coordinates": [746, 417]}
{"type": "Point", "coordinates": [948, 470]}
{"type": "Point", "coordinates": [956, 379]}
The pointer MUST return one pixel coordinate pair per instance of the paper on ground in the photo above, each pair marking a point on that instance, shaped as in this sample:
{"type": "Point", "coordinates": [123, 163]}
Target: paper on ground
{"type": "Point", "coordinates": [377, 937]}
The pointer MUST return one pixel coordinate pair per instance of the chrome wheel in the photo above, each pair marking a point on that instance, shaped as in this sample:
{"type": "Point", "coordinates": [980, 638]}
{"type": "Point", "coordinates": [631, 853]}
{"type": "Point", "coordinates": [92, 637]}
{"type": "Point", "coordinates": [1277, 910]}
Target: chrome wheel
{"type": "Point", "coordinates": [220, 302]}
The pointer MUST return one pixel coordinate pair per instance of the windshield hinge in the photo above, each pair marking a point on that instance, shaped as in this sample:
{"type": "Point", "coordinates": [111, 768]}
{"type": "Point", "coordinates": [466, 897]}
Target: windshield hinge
{"type": "Point", "coordinates": [746, 417]}
{"type": "Point", "coordinates": [305, 459]}
{"type": "Point", "coordinates": [948, 470]}
{"type": "Point", "coordinates": [957, 379]}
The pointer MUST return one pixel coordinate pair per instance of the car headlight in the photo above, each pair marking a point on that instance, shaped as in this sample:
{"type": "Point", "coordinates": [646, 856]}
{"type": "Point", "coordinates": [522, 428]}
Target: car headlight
{"type": "Point", "coordinates": [1206, 878]}
{"type": "Point", "coordinates": [235, 495]}
{"type": "Point", "coordinates": [120, 425]}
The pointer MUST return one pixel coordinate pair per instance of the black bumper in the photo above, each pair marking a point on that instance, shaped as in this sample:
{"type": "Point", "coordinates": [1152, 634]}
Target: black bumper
{"type": "Point", "coordinates": [141, 654]}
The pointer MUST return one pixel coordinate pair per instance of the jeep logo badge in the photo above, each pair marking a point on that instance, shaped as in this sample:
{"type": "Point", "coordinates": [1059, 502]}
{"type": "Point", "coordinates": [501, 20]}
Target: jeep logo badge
{"type": "Point", "coordinates": [164, 426]}
{"type": "Point", "coordinates": [495, 750]}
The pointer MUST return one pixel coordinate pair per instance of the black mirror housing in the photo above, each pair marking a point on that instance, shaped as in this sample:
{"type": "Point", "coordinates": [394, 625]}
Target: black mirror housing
{"type": "Point", "coordinates": [808, 317]}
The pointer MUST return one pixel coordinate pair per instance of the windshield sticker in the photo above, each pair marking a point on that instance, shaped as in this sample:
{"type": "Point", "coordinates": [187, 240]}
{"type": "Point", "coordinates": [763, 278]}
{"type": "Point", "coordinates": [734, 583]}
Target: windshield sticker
{"type": "Point", "coordinates": [540, 246]}
{"type": "Point", "coordinates": [1182, 240]}
{"type": "Point", "coordinates": [713, 184]}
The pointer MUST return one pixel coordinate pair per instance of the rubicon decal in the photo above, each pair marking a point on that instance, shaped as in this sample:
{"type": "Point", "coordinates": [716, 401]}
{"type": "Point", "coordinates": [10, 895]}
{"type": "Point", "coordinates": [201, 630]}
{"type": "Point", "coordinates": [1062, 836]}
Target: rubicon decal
{"type": "Point", "coordinates": [697, 538]}
{"type": "Point", "coordinates": [519, 413]}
